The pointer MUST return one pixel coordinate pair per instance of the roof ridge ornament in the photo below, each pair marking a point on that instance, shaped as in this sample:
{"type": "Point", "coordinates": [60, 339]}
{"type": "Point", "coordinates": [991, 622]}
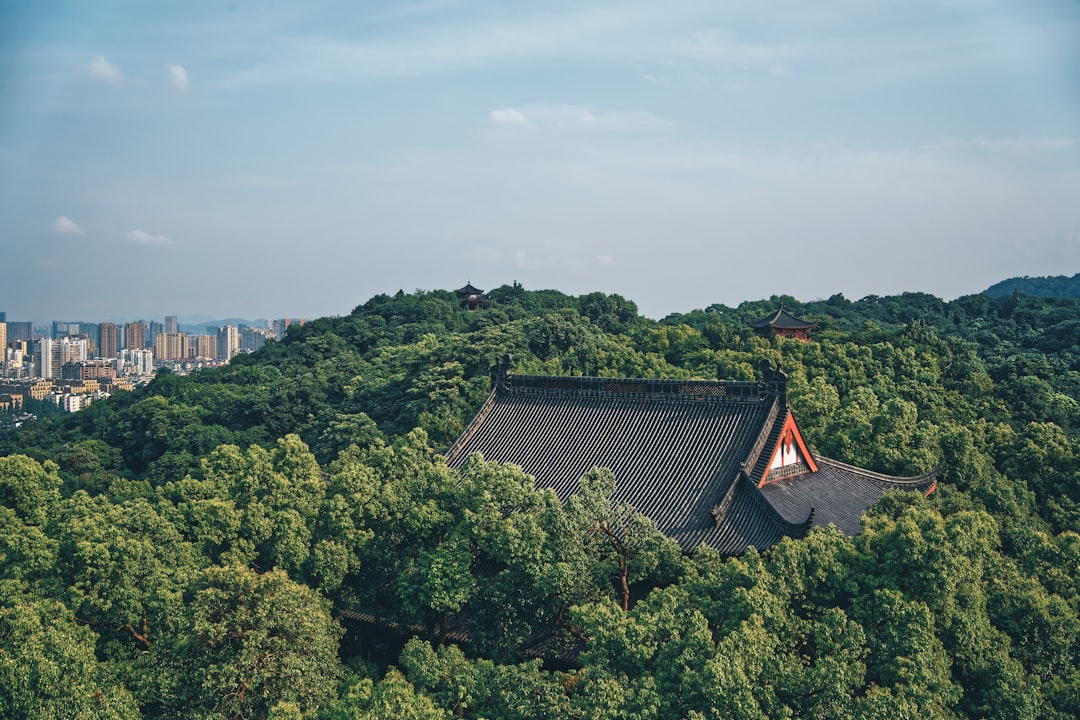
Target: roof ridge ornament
{"type": "Point", "coordinates": [776, 380]}
{"type": "Point", "coordinates": [500, 371]}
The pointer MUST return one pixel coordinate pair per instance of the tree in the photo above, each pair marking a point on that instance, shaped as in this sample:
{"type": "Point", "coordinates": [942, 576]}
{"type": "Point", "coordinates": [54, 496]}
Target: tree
{"type": "Point", "coordinates": [29, 488]}
{"type": "Point", "coordinates": [244, 643]}
{"type": "Point", "coordinates": [47, 666]}
{"type": "Point", "coordinates": [624, 544]}
{"type": "Point", "coordinates": [123, 567]}
{"type": "Point", "coordinates": [483, 689]}
{"type": "Point", "coordinates": [392, 698]}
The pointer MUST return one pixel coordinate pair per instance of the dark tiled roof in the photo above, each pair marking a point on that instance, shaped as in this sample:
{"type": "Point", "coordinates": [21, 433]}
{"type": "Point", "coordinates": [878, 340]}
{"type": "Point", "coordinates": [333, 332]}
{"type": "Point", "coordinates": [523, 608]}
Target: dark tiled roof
{"type": "Point", "coordinates": [675, 447]}
{"type": "Point", "coordinates": [683, 453]}
{"type": "Point", "coordinates": [468, 290]}
{"type": "Point", "coordinates": [782, 319]}
{"type": "Point", "coordinates": [838, 494]}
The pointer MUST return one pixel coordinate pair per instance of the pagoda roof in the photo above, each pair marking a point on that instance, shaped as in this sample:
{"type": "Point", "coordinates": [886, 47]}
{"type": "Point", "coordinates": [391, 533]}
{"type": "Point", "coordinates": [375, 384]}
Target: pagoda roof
{"type": "Point", "coordinates": [469, 290]}
{"type": "Point", "coordinates": [683, 452]}
{"type": "Point", "coordinates": [782, 319]}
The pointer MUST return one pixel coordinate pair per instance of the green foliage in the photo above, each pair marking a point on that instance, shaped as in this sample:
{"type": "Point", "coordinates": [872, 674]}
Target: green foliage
{"type": "Point", "coordinates": [392, 698]}
{"type": "Point", "coordinates": [48, 670]}
{"type": "Point", "coordinates": [180, 551]}
{"type": "Point", "coordinates": [28, 488]}
{"type": "Point", "coordinates": [246, 643]}
{"type": "Point", "coordinates": [1055, 286]}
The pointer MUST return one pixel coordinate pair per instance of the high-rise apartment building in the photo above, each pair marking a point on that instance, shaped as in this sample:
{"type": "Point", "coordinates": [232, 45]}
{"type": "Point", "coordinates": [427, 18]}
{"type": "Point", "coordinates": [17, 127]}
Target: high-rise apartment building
{"type": "Point", "coordinates": [14, 357]}
{"type": "Point", "coordinates": [171, 346]}
{"type": "Point", "coordinates": [108, 340]}
{"type": "Point", "coordinates": [3, 347]}
{"type": "Point", "coordinates": [73, 349]}
{"type": "Point", "coordinates": [20, 331]}
{"type": "Point", "coordinates": [251, 339]}
{"type": "Point", "coordinates": [154, 329]}
{"type": "Point", "coordinates": [47, 358]}
{"type": "Point", "coordinates": [228, 342]}
{"type": "Point", "coordinates": [61, 329]}
{"type": "Point", "coordinates": [171, 325]}
{"type": "Point", "coordinates": [141, 361]}
{"type": "Point", "coordinates": [91, 333]}
{"type": "Point", "coordinates": [135, 335]}
{"type": "Point", "coordinates": [206, 346]}
{"type": "Point", "coordinates": [281, 326]}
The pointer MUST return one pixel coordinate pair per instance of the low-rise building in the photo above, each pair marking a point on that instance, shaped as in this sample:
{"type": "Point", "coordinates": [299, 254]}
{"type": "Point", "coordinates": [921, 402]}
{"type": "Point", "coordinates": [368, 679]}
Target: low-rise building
{"type": "Point", "coordinates": [32, 388]}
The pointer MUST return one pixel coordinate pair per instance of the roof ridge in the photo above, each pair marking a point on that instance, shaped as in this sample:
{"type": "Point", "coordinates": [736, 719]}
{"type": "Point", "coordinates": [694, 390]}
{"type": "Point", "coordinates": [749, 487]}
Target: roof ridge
{"type": "Point", "coordinates": [696, 390]}
{"type": "Point", "coordinates": [757, 450]}
{"type": "Point", "coordinates": [462, 440]}
{"type": "Point", "coordinates": [900, 482]}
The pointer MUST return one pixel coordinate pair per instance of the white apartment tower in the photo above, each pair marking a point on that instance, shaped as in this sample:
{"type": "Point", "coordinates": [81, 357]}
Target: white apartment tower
{"type": "Point", "coordinates": [228, 342]}
{"type": "Point", "coordinates": [46, 360]}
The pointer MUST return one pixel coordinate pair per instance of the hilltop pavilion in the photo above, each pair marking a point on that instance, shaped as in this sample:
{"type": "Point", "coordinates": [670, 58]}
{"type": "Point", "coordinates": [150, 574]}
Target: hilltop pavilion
{"type": "Point", "coordinates": [784, 324]}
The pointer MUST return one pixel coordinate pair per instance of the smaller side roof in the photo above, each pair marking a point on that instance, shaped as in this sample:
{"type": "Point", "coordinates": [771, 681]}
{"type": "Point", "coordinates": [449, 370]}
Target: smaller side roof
{"type": "Point", "coordinates": [838, 493]}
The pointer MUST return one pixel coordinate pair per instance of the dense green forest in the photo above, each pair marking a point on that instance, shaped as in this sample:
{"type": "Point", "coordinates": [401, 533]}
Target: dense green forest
{"type": "Point", "coordinates": [1053, 286]}
{"type": "Point", "coordinates": [196, 548]}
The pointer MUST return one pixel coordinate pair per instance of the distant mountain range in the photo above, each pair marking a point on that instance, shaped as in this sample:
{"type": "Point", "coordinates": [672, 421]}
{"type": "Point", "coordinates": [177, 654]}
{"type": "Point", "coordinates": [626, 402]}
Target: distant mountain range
{"type": "Point", "coordinates": [1055, 286]}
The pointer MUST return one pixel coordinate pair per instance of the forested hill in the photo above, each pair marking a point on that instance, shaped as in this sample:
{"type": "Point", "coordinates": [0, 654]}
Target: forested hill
{"type": "Point", "coordinates": [1054, 286]}
{"type": "Point", "coordinates": [196, 549]}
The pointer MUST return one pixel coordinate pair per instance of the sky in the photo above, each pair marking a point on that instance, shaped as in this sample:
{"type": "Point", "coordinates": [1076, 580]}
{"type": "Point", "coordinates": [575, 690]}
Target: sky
{"type": "Point", "coordinates": [266, 159]}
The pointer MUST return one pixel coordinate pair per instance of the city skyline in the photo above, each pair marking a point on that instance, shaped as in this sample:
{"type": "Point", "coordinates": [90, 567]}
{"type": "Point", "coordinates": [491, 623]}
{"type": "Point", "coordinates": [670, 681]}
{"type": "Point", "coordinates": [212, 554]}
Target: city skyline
{"type": "Point", "coordinates": [190, 321]}
{"type": "Point", "coordinates": [277, 158]}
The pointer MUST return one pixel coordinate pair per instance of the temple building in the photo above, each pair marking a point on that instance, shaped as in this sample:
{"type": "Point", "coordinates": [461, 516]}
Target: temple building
{"type": "Point", "coordinates": [717, 463]}
{"type": "Point", "coordinates": [784, 324]}
{"type": "Point", "coordinates": [471, 298]}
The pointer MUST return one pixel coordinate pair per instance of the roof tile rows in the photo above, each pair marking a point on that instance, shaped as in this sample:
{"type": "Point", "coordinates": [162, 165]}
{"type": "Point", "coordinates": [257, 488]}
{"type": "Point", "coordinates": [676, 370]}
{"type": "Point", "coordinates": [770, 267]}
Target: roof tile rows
{"type": "Point", "coordinates": [680, 452]}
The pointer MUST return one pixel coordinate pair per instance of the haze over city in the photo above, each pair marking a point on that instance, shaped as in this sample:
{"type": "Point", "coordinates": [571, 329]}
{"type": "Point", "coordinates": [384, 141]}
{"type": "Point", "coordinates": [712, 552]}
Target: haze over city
{"type": "Point", "coordinates": [294, 159]}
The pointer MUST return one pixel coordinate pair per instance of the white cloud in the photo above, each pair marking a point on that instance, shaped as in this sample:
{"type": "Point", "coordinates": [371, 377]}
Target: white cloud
{"type": "Point", "coordinates": [141, 237]}
{"type": "Point", "coordinates": [605, 259]}
{"type": "Point", "coordinates": [577, 117]}
{"type": "Point", "coordinates": [178, 77]}
{"type": "Point", "coordinates": [510, 116]}
{"type": "Point", "coordinates": [63, 225]}
{"type": "Point", "coordinates": [1006, 145]}
{"type": "Point", "coordinates": [101, 69]}
{"type": "Point", "coordinates": [519, 257]}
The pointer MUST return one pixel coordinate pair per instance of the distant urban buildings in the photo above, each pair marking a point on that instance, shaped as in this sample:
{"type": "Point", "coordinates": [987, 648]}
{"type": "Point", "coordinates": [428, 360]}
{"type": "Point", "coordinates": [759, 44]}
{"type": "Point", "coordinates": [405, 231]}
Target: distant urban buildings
{"type": "Point", "coordinates": [17, 331]}
{"type": "Point", "coordinates": [71, 363]}
{"type": "Point", "coordinates": [253, 338]}
{"type": "Point", "coordinates": [135, 335]}
{"type": "Point", "coordinates": [171, 346]}
{"type": "Point", "coordinates": [108, 339]}
{"type": "Point", "coordinates": [206, 346]}
{"type": "Point", "coordinates": [153, 329]}
{"type": "Point", "coordinates": [281, 327]}
{"type": "Point", "coordinates": [135, 362]}
{"type": "Point", "coordinates": [228, 342]}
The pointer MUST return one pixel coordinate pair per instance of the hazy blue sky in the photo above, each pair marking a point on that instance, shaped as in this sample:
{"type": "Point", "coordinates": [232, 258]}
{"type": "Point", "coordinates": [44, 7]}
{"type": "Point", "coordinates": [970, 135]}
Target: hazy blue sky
{"type": "Point", "coordinates": [293, 159]}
